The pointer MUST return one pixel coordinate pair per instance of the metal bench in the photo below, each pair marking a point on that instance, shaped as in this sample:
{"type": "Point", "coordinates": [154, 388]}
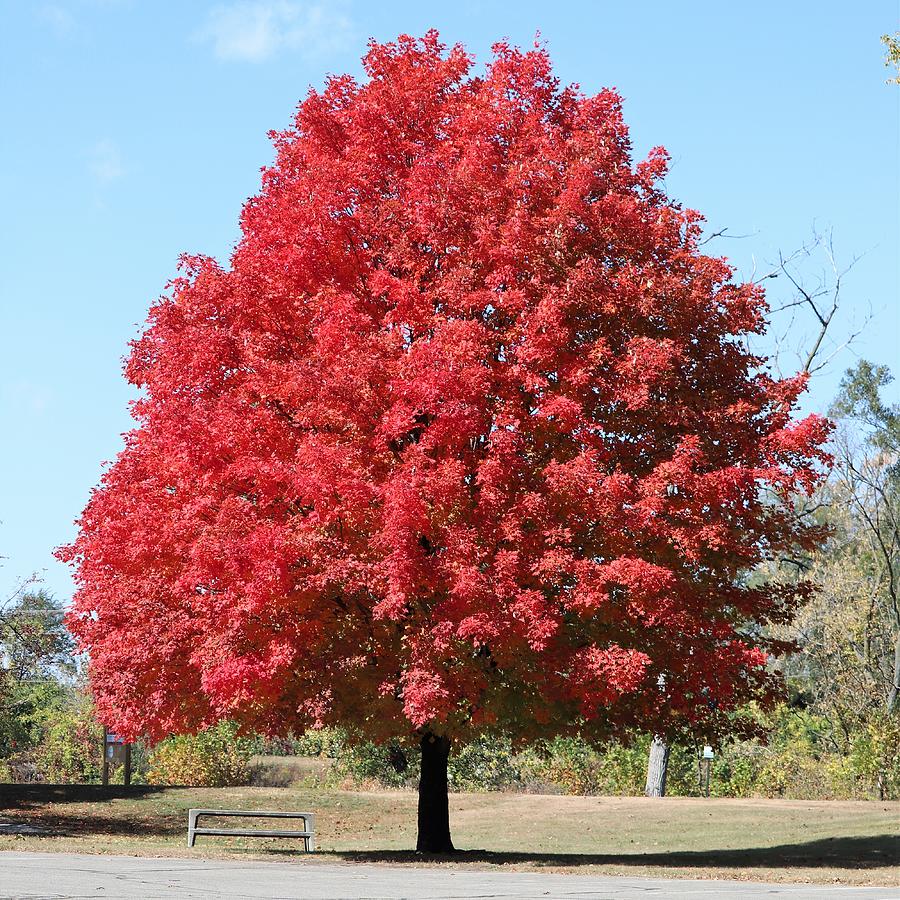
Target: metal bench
{"type": "Point", "coordinates": [308, 833]}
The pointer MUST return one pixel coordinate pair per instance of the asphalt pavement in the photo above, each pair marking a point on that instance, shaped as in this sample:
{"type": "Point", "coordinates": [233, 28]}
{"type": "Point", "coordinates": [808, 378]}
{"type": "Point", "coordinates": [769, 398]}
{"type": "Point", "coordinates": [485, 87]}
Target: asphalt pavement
{"type": "Point", "coordinates": [72, 876]}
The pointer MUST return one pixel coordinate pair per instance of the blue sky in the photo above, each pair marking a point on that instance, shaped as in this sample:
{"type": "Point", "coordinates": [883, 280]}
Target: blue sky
{"type": "Point", "coordinates": [133, 131]}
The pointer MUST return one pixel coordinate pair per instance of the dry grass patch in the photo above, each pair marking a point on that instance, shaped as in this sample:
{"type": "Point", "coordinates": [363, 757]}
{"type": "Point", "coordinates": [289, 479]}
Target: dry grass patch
{"type": "Point", "coordinates": [770, 840]}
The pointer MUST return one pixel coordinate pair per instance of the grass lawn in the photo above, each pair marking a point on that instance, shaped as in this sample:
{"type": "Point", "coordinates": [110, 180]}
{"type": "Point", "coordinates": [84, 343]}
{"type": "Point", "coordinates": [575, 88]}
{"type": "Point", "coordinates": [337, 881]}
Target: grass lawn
{"type": "Point", "coordinates": [767, 840]}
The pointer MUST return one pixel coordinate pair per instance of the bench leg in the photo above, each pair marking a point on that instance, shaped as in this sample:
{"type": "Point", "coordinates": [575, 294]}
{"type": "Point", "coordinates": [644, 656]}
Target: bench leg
{"type": "Point", "coordinates": [192, 824]}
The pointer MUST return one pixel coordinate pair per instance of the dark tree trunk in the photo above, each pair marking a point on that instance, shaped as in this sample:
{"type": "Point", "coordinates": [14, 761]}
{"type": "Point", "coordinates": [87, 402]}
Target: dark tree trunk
{"type": "Point", "coordinates": [657, 766]}
{"type": "Point", "coordinates": [434, 804]}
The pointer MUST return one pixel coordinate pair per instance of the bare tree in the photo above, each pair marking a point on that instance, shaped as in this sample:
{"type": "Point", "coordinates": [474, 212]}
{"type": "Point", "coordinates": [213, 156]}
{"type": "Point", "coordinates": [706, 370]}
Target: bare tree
{"type": "Point", "coordinates": [867, 456]}
{"type": "Point", "coordinates": [804, 322]}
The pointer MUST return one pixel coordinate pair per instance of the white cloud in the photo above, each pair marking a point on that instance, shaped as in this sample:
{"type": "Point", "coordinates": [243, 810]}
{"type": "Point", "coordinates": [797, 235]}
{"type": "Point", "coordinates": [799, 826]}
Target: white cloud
{"type": "Point", "coordinates": [105, 163]}
{"type": "Point", "coordinates": [257, 30]}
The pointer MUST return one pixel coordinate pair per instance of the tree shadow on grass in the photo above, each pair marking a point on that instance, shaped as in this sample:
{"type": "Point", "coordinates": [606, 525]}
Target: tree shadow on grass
{"type": "Point", "coordinates": [80, 810]}
{"type": "Point", "coordinates": [88, 825]}
{"type": "Point", "coordinates": [873, 852]}
{"type": "Point", "coordinates": [35, 796]}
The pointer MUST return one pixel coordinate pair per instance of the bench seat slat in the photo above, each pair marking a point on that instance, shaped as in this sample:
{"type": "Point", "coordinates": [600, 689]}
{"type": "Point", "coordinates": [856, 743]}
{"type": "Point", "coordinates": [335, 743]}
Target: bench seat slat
{"type": "Point", "coordinates": [253, 832]}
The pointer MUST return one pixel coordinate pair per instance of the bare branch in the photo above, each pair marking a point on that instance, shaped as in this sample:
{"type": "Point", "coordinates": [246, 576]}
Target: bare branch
{"type": "Point", "coordinates": [817, 300]}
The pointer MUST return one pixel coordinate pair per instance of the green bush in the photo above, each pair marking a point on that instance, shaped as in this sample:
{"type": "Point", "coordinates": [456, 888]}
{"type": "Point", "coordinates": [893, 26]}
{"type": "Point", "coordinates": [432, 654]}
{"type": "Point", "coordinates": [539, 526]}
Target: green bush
{"type": "Point", "coordinates": [26, 708]}
{"type": "Point", "coordinates": [798, 760]}
{"type": "Point", "coordinates": [215, 757]}
{"type": "Point", "coordinates": [327, 742]}
{"type": "Point", "coordinates": [364, 764]}
{"type": "Point", "coordinates": [70, 749]}
{"type": "Point", "coordinates": [562, 765]}
{"type": "Point", "coordinates": [574, 766]}
{"type": "Point", "coordinates": [875, 756]}
{"type": "Point", "coordinates": [488, 764]}
{"type": "Point", "coordinates": [734, 771]}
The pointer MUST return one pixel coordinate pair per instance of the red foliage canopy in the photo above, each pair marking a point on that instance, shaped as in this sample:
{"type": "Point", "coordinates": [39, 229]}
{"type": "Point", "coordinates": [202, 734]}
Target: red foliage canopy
{"type": "Point", "coordinates": [466, 437]}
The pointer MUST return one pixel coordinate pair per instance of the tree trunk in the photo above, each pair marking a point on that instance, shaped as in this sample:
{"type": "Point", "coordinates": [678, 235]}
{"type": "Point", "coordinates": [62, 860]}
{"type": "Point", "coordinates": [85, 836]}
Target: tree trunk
{"type": "Point", "coordinates": [656, 768]}
{"type": "Point", "coordinates": [893, 701]}
{"type": "Point", "coordinates": [434, 804]}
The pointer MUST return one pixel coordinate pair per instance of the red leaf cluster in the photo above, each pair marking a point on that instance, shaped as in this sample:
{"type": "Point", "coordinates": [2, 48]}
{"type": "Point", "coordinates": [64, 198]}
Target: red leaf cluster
{"type": "Point", "coordinates": [466, 435]}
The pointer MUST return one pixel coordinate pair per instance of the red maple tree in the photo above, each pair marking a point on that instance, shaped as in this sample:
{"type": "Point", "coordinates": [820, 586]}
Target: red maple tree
{"type": "Point", "coordinates": [466, 439]}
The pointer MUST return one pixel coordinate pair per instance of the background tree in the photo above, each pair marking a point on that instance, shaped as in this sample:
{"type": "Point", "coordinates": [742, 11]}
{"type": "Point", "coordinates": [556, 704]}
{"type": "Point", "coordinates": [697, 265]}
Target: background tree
{"type": "Point", "coordinates": [848, 670]}
{"type": "Point", "coordinates": [868, 464]}
{"type": "Point", "coordinates": [34, 642]}
{"type": "Point", "coordinates": [892, 55]}
{"type": "Point", "coordinates": [36, 661]}
{"type": "Point", "coordinates": [466, 440]}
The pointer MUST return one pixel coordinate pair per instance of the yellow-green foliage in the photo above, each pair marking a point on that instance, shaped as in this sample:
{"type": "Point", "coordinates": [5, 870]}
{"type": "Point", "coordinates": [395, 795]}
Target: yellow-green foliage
{"type": "Point", "coordinates": [892, 56]}
{"type": "Point", "coordinates": [798, 761]}
{"type": "Point", "coordinates": [216, 757]}
{"type": "Point", "coordinates": [71, 747]}
{"type": "Point", "coordinates": [875, 754]}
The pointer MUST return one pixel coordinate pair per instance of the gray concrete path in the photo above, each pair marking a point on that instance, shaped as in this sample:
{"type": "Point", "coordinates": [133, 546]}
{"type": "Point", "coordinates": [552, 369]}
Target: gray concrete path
{"type": "Point", "coordinates": [59, 875]}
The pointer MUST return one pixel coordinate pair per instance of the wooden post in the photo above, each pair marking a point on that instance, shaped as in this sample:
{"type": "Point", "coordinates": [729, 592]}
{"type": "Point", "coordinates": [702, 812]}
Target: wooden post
{"type": "Point", "coordinates": [106, 748]}
{"type": "Point", "coordinates": [111, 755]}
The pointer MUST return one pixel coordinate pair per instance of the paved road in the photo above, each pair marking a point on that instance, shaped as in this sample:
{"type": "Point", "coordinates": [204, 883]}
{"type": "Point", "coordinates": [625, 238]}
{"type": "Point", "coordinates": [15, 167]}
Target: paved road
{"type": "Point", "coordinates": [58, 875]}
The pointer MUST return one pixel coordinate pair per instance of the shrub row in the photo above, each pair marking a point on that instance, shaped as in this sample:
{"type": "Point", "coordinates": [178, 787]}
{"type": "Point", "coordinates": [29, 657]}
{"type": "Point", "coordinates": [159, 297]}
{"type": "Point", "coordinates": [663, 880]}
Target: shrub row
{"type": "Point", "coordinates": [797, 762]}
